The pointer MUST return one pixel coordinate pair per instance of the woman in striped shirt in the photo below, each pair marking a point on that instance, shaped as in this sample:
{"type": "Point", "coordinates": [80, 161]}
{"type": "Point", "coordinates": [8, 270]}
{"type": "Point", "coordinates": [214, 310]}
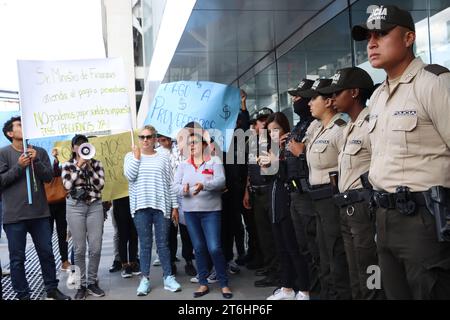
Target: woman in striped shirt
{"type": "Point", "coordinates": [152, 202]}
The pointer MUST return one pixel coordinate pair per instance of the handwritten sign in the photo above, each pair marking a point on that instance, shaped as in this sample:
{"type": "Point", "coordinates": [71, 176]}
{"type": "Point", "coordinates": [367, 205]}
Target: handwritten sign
{"type": "Point", "coordinates": [48, 143]}
{"type": "Point", "coordinates": [111, 151]}
{"type": "Point", "coordinates": [214, 106]}
{"type": "Point", "coordinates": [74, 96]}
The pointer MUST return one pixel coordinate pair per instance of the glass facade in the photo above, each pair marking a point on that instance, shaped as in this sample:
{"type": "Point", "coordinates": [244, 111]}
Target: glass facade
{"type": "Point", "coordinates": [266, 47]}
{"type": "Point", "coordinates": [330, 48]}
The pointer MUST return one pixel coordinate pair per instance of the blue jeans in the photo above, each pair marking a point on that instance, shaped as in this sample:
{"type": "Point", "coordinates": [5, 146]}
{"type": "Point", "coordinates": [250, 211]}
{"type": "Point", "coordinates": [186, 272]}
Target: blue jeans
{"type": "Point", "coordinates": [204, 230]}
{"type": "Point", "coordinates": [40, 232]}
{"type": "Point", "coordinates": [144, 220]}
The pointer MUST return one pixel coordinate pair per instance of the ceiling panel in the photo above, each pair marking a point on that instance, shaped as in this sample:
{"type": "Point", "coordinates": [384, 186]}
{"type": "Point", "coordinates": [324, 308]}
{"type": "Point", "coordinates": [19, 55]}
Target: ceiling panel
{"type": "Point", "coordinates": [225, 38]}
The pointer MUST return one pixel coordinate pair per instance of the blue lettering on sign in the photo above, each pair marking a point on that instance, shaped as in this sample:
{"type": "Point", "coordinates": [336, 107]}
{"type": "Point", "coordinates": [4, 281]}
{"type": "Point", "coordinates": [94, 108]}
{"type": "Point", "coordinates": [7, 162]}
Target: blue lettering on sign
{"type": "Point", "coordinates": [212, 105]}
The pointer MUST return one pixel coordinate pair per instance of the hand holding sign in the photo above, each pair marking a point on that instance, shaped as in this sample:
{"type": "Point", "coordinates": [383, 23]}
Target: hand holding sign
{"type": "Point", "coordinates": [24, 161]}
{"type": "Point", "coordinates": [137, 152]}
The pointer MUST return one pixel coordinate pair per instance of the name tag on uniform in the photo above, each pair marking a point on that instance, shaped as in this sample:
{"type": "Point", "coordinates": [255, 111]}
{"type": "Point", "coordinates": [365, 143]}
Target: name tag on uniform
{"type": "Point", "coordinates": [357, 142]}
{"type": "Point", "coordinates": [405, 113]}
{"type": "Point", "coordinates": [322, 142]}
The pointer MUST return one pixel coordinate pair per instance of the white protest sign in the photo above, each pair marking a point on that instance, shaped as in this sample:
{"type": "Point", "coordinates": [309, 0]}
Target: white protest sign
{"type": "Point", "coordinates": [73, 96]}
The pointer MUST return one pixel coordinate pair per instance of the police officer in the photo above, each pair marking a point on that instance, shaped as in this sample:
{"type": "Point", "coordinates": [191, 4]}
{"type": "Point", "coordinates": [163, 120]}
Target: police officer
{"type": "Point", "coordinates": [257, 196]}
{"type": "Point", "coordinates": [410, 136]}
{"type": "Point", "coordinates": [322, 154]}
{"type": "Point", "coordinates": [303, 217]}
{"type": "Point", "coordinates": [351, 88]}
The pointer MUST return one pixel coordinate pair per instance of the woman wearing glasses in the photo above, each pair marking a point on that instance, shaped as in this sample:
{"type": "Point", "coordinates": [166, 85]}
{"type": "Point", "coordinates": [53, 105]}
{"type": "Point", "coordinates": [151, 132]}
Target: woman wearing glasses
{"type": "Point", "coordinates": [200, 181]}
{"type": "Point", "coordinates": [152, 203]}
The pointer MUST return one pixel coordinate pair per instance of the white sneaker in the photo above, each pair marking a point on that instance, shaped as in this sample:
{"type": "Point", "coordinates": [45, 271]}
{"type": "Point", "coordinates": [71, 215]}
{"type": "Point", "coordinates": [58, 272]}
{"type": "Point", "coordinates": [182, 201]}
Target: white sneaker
{"type": "Point", "coordinates": [281, 294]}
{"type": "Point", "coordinates": [301, 296]}
{"type": "Point", "coordinates": [194, 279]}
{"type": "Point", "coordinates": [156, 262]}
{"type": "Point", "coordinates": [171, 284]}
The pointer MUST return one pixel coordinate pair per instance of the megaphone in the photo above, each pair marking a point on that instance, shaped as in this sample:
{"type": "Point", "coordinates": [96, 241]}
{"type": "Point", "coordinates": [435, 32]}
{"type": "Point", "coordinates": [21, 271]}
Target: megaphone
{"type": "Point", "coordinates": [86, 151]}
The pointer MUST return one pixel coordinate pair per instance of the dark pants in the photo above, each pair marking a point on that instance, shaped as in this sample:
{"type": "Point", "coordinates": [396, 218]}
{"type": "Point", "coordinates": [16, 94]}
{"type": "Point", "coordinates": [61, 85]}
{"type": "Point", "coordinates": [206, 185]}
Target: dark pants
{"type": "Point", "coordinates": [333, 261]}
{"type": "Point", "coordinates": [40, 232]}
{"type": "Point", "coordinates": [204, 229]}
{"type": "Point", "coordinates": [358, 231]}
{"type": "Point", "coordinates": [304, 222]}
{"type": "Point", "coordinates": [58, 215]}
{"type": "Point", "coordinates": [232, 227]}
{"type": "Point", "coordinates": [261, 210]}
{"type": "Point", "coordinates": [253, 252]}
{"type": "Point", "coordinates": [187, 250]}
{"type": "Point", "coordinates": [414, 265]}
{"type": "Point", "coordinates": [294, 268]}
{"type": "Point", "coordinates": [128, 239]}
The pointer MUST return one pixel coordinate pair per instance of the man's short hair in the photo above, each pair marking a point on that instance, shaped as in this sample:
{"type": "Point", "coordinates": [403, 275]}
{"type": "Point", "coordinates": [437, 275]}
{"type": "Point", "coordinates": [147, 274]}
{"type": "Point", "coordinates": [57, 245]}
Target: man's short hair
{"type": "Point", "coordinates": [8, 126]}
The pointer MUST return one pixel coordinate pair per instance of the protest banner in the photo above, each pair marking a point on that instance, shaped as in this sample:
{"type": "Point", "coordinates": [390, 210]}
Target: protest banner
{"type": "Point", "coordinates": [48, 143]}
{"type": "Point", "coordinates": [214, 106]}
{"type": "Point", "coordinates": [75, 96]}
{"type": "Point", "coordinates": [111, 151]}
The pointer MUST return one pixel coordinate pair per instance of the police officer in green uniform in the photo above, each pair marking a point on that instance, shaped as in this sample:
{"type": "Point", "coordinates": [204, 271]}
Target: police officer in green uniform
{"type": "Point", "coordinates": [257, 197]}
{"type": "Point", "coordinates": [410, 167]}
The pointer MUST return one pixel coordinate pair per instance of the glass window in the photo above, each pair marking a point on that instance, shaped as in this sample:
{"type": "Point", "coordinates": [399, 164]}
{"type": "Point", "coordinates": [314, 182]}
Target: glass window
{"type": "Point", "coordinates": [262, 90]}
{"type": "Point", "coordinates": [440, 32]}
{"type": "Point", "coordinates": [318, 56]}
{"type": "Point", "coordinates": [419, 12]}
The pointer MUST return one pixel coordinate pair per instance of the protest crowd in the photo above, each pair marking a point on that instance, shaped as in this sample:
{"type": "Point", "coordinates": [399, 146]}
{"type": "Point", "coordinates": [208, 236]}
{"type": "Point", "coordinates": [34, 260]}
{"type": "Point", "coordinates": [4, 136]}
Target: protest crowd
{"type": "Point", "coordinates": [335, 208]}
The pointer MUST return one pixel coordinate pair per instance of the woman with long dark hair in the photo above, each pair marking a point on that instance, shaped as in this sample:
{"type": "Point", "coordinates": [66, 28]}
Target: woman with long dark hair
{"type": "Point", "coordinates": [294, 268]}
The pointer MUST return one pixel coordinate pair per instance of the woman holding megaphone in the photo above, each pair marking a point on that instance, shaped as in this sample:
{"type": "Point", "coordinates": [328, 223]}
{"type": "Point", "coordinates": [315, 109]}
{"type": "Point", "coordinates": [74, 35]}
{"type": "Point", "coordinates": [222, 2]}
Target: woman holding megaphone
{"type": "Point", "coordinates": [84, 178]}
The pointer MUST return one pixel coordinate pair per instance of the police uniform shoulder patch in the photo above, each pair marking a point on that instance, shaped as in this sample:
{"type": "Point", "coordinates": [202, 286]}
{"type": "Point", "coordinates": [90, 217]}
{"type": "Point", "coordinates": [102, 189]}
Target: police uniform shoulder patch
{"type": "Point", "coordinates": [340, 122]}
{"type": "Point", "coordinates": [436, 69]}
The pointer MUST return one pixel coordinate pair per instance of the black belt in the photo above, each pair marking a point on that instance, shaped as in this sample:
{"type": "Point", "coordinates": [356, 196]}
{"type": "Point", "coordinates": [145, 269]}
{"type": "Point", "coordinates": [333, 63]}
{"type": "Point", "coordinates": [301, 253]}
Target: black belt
{"type": "Point", "coordinates": [259, 189]}
{"type": "Point", "coordinates": [350, 197]}
{"type": "Point", "coordinates": [320, 192]}
{"type": "Point", "coordinates": [390, 200]}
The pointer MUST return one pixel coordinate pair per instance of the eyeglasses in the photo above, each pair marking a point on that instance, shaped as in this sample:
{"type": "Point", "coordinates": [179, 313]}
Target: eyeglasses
{"type": "Point", "coordinates": [194, 141]}
{"type": "Point", "coordinates": [151, 136]}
